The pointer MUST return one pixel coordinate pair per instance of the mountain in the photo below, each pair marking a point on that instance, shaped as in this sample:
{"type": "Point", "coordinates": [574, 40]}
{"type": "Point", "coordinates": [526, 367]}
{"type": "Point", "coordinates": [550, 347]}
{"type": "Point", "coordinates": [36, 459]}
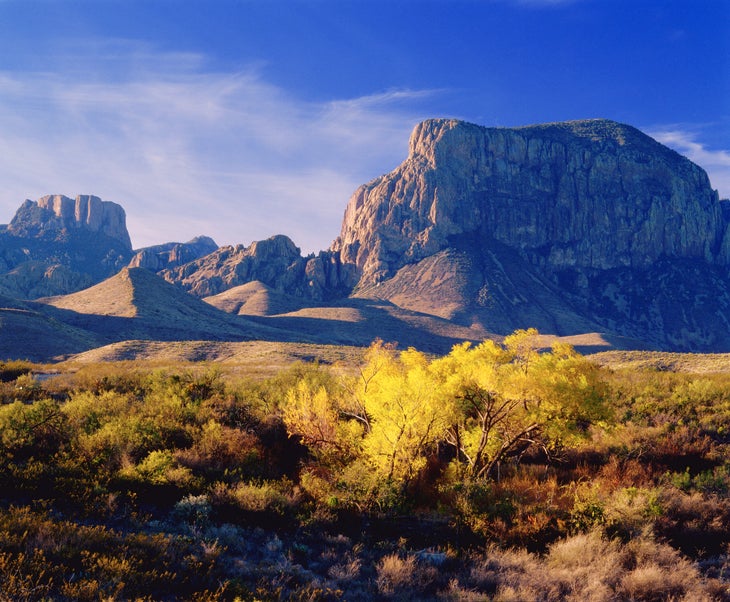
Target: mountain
{"type": "Point", "coordinates": [575, 227]}
{"type": "Point", "coordinates": [588, 230]}
{"type": "Point", "coordinates": [58, 245]}
{"type": "Point", "coordinates": [28, 332]}
{"type": "Point", "coordinates": [137, 304]}
{"type": "Point", "coordinates": [570, 227]}
{"type": "Point", "coordinates": [275, 262]}
{"type": "Point", "coordinates": [56, 217]}
{"type": "Point", "coordinates": [568, 197]}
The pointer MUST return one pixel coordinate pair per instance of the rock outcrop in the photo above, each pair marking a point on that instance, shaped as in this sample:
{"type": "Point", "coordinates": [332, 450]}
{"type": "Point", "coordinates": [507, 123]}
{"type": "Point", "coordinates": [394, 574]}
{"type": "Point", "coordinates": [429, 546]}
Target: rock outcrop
{"type": "Point", "coordinates": [173, 254]}
{"type": "Point", "coordinates": [34, 279]}
{"type": "Point", "coordinates": [566, 226]}
{"type": "Point", "coordinates": [53, 216]}
{"type": "Point", "coordinates": [578, 227]}
{"type": "Point", "coordinates": [585, 226]}
{"type": "Point", "coordinates": [58, 245]}
{"type": "Point", "coordinates": [276, 262]}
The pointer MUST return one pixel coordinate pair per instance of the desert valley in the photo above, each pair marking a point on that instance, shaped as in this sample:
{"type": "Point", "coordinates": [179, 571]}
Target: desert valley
{"type": "Point", "coordinates": [508, 378]}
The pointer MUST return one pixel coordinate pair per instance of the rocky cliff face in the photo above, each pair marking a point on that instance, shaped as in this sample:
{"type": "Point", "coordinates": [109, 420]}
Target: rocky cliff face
{"type": "Point", "coordinates": [53, 216]}
{"type": "Point", "coordinates": [58, 245]}
{"type": "Point", "coordinates": [585, 226]}
{"type": "Point", "coordinates": [586, 195]}
{"type": "Point", "coordinates": [276, 262]}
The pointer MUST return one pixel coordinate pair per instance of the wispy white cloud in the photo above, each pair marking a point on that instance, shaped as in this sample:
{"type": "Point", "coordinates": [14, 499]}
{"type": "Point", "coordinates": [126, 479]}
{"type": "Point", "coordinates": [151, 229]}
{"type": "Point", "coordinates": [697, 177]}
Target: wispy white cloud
{"type": "Point", "coordinates": [716, 162]}
{"type": "Point", "coordinates": [192, 152]}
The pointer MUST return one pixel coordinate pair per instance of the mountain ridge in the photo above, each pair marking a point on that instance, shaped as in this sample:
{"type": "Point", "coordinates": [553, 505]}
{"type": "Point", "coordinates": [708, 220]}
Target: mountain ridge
{"type": "Point", "coordinates": [577, 209]}
{"type": "Point", "coordinates": [589, 230]}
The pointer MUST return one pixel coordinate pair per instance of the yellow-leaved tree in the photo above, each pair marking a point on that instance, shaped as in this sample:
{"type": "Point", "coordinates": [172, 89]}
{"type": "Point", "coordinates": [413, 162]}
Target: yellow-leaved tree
{"type": "Point", "coordinates": [488, 402]}
{"type": "Point", "coordinates": [317, 416]}
{"type": "Point", "coordinates": [510, 397]}
{"type": "Point", "coordinates": [403, 402]}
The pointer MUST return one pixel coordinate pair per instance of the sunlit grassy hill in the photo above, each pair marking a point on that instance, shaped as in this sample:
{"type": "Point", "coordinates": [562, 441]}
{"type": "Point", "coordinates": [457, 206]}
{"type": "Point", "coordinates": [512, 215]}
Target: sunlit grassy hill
{"type": "Point", "coordinates": [256, 299]}
{"type": "Point", "coordinates": [692, 363]}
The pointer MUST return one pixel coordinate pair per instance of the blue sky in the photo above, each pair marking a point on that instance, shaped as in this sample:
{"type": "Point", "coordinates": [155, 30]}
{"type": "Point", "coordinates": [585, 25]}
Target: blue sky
{"type": "Point", "coordinates": [241, 119]}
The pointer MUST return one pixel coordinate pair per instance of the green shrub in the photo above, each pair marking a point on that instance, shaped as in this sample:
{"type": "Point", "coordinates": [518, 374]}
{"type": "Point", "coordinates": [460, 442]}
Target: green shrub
{"type": "Point", "coordinates": [159, 467]}
{"type": "Point", "coordinates": [194, 510]}
{"type": "Point", "coordinates": [11, 370]}
{"type": "Point", "coordinates": [223, 453]}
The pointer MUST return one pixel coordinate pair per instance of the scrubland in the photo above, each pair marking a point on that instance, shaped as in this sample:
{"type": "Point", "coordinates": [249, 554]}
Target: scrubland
{"type": "Point", "coordinates": [497, 472]}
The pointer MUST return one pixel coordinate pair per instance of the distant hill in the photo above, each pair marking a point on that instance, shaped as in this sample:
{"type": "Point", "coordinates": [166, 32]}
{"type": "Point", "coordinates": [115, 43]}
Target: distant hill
{"type": "Point", "coordinates": [172, 254]}
{"type": "Point", "coordinates": [137, 312]}
{"type": "Point", "coordinates": [27, 331]}
{"type": "Point", "coordinates": [255, 299]}
{"type": "Point", "coordinates": [58, 245]}
{"type": "Point", "coordinates": [575, 227]}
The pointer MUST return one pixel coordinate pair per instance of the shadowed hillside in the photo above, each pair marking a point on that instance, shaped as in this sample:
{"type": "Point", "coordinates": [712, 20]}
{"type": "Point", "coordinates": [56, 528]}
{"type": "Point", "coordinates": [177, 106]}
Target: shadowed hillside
{"type": "Point", "coordinates": [136, 304]}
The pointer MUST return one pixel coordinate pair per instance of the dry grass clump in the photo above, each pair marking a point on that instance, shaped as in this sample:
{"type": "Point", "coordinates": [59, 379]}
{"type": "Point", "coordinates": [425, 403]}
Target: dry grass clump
{"type": "Point", "coordinates": [588, 567]}
{"type": "Point", "coordinates": [585, 567]}
{"type": "Point", "coordinates": [404, 577]}
{"type": "Point", "coordinates": [345, 572]}
{"type": "Point", "coordinates": [660, 572]}
{"type": "Point", "coordinates": [254, 497]}
{"type": "Point", "coordinates": [396, 573]}
{"type": "Point", "coordinates": [221, 448]}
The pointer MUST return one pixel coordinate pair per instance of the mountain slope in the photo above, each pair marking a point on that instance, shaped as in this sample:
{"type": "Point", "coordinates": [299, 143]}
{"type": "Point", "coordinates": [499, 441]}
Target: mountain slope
{"type": "Point", "coordinates": [58, 245]}
{"type": "Point", "coordinates": [588, 230]}
{"type": "Point", "coordinates": [489, 285]}
{"type": "Point", "coordinates": [255, 299]}
{"type": "Point", "coordinates": [589, 194]}
{"type": "Point", "coordinates": [172, 254]}
{"type": "Point", "coordinates": [275, 262]}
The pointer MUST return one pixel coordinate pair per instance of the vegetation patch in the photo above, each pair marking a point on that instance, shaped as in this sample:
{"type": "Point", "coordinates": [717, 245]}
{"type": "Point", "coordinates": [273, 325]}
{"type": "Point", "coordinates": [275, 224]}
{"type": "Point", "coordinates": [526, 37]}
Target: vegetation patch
{"type": "Point", "coordinates": [496, 472]}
